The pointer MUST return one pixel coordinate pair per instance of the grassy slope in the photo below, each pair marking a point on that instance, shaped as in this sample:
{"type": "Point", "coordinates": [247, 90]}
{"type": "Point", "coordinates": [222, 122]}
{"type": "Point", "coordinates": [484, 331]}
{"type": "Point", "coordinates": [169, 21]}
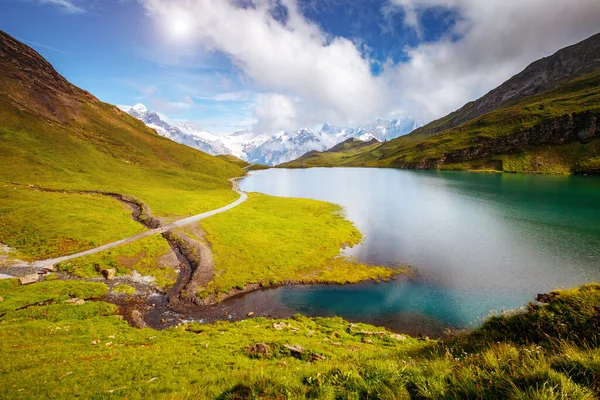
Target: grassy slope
{"type": "Point", "coordinates": [547, 353]}
{"type": "Point", "coordinates": [578, 95]}
{"type": "Point", "coordinates": [233, 160]}
{"type": "Point", "coordinates": [43, 225]}
{"type": "Point", "coordinates": [273, 240]}
{"type": "Point", "coordinates": [99, 148]}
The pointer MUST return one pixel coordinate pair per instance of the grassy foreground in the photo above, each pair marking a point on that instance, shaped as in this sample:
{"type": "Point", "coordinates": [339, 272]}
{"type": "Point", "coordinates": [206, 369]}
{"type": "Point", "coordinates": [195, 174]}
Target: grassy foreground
{"type": "Point", "coordinates": [52, 349]}
{"type": "Point", "coordinates": [271, 240]}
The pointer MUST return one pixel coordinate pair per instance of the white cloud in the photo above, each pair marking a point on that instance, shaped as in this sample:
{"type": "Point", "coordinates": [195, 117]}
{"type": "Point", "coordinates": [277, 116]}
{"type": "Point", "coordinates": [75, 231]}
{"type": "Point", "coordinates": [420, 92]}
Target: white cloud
{"type": "Point", "coordinates": [68, 6]}
{"type": "Point", "coordinates": [310, 77]}
{"type": "Point", "coordinates": [498, 38]}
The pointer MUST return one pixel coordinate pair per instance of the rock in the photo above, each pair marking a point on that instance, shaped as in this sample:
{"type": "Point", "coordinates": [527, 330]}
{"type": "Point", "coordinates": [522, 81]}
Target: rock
{"type": "Point", "coordinates": [373, 333]}
{"type": "Point", "coordinates": [279, 325]}
{"type": "Point", "coordinates": [109, 274]}
{"type": "Point", "coordinates": [75, 301]}
{"type": "Point", "coordinates": [137, 319]}
{"type": "Point", "coordinates": [259, 350]}
{"type": "Point", "coordinates": [397, 337]}
{"type": "Point", "coordinates": [27, 279]}
{"type": "Point", "coordinates": [544, 297]}
{"type": "Point", "coordinates": [294, 349]}
{"type": "Point", "coordinates": [368, 341]}
{"type": "Point", "coordinates": [1, 299]}
{"type": "Point", "coordinates": [251, 313]}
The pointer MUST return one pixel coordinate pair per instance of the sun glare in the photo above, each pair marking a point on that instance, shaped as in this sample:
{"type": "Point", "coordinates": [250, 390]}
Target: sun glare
{"type": "Point", "coordinates": [180, 26]}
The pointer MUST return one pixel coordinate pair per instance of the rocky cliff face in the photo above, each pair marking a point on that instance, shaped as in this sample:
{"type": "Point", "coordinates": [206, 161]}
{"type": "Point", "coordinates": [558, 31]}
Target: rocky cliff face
{"type": "Point", "coordinates": [578, 127]}
{"type": "Point", "coordinates": [542, 75]}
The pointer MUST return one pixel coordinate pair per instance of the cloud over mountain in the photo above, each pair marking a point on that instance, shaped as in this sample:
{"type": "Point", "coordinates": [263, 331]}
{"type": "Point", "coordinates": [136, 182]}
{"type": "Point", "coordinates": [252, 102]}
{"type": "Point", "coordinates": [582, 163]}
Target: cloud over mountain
{"type": "Point", "coordinates": [309, 75]}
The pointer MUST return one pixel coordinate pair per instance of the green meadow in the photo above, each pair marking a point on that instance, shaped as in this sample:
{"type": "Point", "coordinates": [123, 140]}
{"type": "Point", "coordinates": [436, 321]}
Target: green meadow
{"type": "Point", "coordinates": [54, 349]}
{"type": "Point", "coordinates": [272, 240]}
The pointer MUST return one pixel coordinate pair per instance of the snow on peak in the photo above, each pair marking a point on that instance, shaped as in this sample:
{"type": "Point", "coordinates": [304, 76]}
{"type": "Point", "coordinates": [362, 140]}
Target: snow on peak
{"type": "Point", "coordinates": [140, 108]}
{"type": "Point", "coordinates": [275, 147]}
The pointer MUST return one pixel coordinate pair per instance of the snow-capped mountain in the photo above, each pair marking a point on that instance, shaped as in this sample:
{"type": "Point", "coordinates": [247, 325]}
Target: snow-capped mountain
{"type": "Point", "coordinates": [272, 148]}
{"type": "Point", "coordinates": [382, 130]}
{"type": "Point", "coordinates": [181, 133]}
{"type": "Point", "coordinates": [286, 146]}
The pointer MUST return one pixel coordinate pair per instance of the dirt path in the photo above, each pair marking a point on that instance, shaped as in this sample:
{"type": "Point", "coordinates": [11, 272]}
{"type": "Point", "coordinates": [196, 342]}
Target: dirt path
{"type": "Point", "coordinates": [48, 264]}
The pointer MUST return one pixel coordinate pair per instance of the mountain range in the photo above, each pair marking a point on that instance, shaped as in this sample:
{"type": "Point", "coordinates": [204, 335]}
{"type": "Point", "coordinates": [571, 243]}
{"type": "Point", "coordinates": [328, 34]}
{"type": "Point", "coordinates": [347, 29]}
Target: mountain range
{"type": "Point", "coordinates": [271, 148]}
{"type": "Point", "coordinates": [542, 120]}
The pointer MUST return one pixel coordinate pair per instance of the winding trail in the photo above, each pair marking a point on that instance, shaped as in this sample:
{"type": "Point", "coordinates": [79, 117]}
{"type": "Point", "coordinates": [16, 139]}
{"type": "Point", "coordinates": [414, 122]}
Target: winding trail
{"type": "Point", "coordinates": [49, 263]}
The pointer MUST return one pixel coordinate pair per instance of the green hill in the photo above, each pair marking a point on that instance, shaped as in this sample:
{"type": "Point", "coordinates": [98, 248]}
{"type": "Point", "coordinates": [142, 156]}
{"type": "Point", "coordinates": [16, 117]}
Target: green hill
{"type": "Point", "coordinates": [55, 135]}
{"type": "Point", "coordinates": [543, 120]}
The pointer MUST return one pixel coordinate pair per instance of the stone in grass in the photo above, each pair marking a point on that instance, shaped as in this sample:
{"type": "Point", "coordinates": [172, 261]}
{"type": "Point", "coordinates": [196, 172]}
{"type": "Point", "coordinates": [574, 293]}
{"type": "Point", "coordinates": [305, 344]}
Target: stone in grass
{"type": "Point", "coordinates": [75, 301]}
{"type": "Point", "coordinates": [259, 350]}
{"type": "Point", "coordinates": [27, 279]}
{"type": "Point", "coordinates": [397, 336]}
{"type": "Point", "coordinates": [1, 299]}
{"type": "Point", "coordinates": [109, 274]}
{"type": "Point", "coordinates": [279, 326]}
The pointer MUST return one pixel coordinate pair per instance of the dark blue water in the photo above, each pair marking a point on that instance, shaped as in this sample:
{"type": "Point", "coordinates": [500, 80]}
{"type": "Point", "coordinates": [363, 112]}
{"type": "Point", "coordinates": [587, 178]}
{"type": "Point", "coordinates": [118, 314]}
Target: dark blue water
{"type": "Point", "coordinates": [480, 242]}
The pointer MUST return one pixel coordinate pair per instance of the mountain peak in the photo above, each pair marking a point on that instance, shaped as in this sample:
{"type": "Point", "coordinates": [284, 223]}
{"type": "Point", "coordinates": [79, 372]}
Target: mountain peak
{"type": "Point", "coordinates": [140, 108]}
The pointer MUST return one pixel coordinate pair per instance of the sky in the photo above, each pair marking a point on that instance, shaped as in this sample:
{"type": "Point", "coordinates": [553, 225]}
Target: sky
{"type": "Point", "coordinates": [229, 65]}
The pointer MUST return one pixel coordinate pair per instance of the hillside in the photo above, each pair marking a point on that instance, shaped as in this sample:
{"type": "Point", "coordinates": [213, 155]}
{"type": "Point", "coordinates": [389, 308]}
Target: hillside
{"type": "Point", "coordinates": [55, 347]}
{"type": "Point", "coordinates": [547, 126]}
{"type": "Point", "coordinates": [57, 136]}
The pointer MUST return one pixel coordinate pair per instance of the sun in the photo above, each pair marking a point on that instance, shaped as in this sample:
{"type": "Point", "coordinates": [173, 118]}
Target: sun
{"type": "Point", "coordinates": [179, 25]}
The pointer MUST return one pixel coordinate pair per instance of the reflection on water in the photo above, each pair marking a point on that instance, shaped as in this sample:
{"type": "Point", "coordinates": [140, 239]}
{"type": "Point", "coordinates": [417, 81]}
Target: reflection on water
{"type": "Point", "coordinates": [480, 242]}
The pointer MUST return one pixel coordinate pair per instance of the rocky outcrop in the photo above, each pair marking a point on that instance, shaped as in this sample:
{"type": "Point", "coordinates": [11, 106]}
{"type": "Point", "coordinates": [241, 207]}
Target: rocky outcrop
{"type": "Point", "coordinates": [542, 75]}
{"type": "Point", "coordinates": [578, 127]}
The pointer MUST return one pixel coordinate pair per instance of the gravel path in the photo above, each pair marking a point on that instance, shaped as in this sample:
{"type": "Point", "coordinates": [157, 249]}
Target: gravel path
{"type": "Point", "coordinates": [177, 224]}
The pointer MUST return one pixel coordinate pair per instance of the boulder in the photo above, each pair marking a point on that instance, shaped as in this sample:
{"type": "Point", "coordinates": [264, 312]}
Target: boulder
{"type": "Point", "coordinates": [75, 301]}
{"type": "Point", "coordinates": [251, 313]}
{"type": "Point", "coordinates": [294, 349]}
{"type": "Point", "coordinates": [27, 279]}
{"type": "Point", "coordinates": [137, 319]}
{"type": "Point", "coordinates": [109, 274]}
{"type": "Point", "coordinates": [259, 350]}
{"type": "Point", "coordinates": [279, 325]}
{"type": "Point", "coordinates": [544, 297]}
{"type": "Point", "coordinates": [397, 337]}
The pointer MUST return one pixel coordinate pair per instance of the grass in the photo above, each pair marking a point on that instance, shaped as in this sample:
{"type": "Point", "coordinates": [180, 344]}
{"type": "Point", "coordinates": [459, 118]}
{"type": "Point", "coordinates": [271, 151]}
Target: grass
{"type": "Point", "coordinates": [271, 240]}
{"type": "Point", "coordinates": [257, 167]}
{"type": "Point", "coordinates": [234, 160]}
{"type": "Point", "coordinates": [84, 144]}
{"type": "Point", "coordinates": [422, 150]}
{"type": "Point", "coordinates": [123, 288]}
{"type": "Point", "coordinates": [45, 225]}
{"type": "Point", "coordinates": [55, 350]}
{"type": "Point", "coordinates": [146, 256]}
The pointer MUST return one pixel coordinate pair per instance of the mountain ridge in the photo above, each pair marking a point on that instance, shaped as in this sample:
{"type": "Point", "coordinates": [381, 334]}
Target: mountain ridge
{"type": "Point", "coordinates": [272, 148]}
{"type": "Point", "coordinates": [539, 76]}
{"type": "Point", "coordinates": [552, 131]}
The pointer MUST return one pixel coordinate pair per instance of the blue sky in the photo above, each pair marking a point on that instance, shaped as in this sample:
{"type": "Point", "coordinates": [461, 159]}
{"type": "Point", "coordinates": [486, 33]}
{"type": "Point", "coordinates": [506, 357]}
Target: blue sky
{"type": "Point", "coordinates": [228, 65]}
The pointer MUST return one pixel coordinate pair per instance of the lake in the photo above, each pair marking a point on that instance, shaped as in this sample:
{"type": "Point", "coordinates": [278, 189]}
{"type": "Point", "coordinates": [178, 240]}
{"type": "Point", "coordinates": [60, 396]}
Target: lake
{"type": "Point", "coordinates": [479, 242]}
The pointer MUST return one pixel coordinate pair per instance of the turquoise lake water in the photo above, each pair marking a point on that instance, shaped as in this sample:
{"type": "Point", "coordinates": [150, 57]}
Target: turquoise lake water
{"type": "Point", "coordinates": [480, 242]}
